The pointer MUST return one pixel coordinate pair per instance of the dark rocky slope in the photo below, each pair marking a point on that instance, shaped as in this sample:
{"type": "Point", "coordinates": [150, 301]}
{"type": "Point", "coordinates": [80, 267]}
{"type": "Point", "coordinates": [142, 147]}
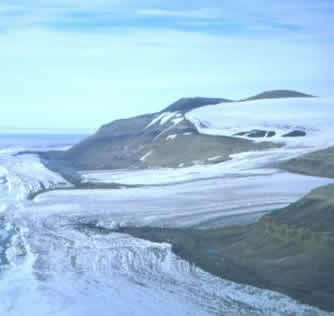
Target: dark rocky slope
{"type": "Point", "coordinates": [289, 251]}
{"type": "Point", "coordinates": [319, 163]}
{"type": "Point", "coordinates": [165, 139]}
{"type": "Point", "coordinates": [187, 104]}
{"type": "Point", "coordinates": [116, 147]}
{"type": "Point", "coordinates": [277, 94]}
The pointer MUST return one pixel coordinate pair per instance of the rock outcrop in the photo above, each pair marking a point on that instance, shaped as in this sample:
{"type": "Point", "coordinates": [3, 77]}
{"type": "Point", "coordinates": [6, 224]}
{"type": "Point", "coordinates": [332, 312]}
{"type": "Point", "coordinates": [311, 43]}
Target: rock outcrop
{"type": "Point", "coordinates": [319, 163]}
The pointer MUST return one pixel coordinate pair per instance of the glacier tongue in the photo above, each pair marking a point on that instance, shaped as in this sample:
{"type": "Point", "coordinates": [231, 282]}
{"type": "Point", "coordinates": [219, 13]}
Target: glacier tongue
{"type": "Point", "coordinates": [22, 176]}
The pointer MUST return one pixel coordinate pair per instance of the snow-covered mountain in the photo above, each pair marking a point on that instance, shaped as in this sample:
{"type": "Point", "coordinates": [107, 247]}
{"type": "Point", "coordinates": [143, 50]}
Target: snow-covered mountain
{"type": "Point", "coordinates": [72, 232]}
{"type": "Point", "coordinates": [206, 131]}
{"type": "Point", "coordinates": [302, 124]}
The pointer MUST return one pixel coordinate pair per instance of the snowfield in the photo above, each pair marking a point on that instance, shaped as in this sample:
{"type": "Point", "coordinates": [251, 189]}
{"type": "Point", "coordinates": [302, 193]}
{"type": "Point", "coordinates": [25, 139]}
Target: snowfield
{"type": "Point", "coordinates": [313, 116]}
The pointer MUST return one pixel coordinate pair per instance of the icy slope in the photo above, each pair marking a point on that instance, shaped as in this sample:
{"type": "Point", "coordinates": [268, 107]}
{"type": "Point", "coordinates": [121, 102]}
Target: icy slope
{"type": "Point", "coordinates": [305, 124]}
{"type": "Point", "coordinates": [23, 175]}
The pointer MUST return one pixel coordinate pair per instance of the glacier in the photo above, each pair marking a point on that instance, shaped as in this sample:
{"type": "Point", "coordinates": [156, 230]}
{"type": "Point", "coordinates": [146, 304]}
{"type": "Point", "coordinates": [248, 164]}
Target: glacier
{"type": "Point", "coordinates": [313, 116]}
{"type": "Point", "coordinates": [52, 265]}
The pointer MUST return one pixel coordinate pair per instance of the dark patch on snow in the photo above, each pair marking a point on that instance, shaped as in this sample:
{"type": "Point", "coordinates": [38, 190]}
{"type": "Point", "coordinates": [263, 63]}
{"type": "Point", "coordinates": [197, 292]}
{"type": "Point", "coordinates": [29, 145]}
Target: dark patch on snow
{"type": "Point", "coordinates": [295, 134]}
{"type": "Point", "coordinates": [256, 133]}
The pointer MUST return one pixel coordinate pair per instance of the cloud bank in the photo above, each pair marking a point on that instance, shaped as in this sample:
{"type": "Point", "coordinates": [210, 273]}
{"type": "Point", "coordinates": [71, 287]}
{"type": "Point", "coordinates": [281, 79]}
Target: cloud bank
{"type": "Point", "coordinates": [82, 63]}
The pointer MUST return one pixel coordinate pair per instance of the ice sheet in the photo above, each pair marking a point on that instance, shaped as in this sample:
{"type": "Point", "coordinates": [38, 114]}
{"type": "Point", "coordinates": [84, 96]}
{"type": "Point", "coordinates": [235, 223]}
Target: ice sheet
{"type": "Point", "coordinates": [314, 116]}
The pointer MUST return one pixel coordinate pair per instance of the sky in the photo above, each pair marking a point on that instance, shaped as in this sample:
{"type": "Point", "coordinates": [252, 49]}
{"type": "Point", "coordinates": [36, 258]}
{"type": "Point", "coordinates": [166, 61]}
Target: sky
{"type": "Point", "coordinates": [84, 63]}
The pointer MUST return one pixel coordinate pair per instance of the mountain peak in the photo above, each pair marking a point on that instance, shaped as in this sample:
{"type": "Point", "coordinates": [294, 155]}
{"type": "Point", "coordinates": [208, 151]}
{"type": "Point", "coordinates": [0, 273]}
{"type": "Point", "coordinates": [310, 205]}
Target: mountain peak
{"type": "Point", "coordinates": [187, 104]}
{"type": "Point", "coordinates": [277, 94]}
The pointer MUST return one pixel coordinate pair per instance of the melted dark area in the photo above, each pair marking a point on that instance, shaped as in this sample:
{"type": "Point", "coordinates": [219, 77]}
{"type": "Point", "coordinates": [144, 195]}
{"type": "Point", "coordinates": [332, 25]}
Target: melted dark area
{"type": "Point", "coordinates": [295, 134]}
{"type": "Point", "coordinates": [257, 133]}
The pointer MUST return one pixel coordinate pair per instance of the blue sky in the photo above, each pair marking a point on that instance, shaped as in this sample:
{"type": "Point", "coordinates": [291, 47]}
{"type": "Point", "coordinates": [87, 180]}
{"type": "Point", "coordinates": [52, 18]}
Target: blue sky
{"type": "Point", "coordinates": [80, 63]}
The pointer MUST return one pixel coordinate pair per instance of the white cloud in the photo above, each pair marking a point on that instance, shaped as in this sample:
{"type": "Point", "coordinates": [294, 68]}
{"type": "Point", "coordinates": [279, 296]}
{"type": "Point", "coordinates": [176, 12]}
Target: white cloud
{"type": "Point", "coordinates": [307, 18]}
{"type": "Point", "coordinates": [204, 13]}
{"type": "Point", "coordinates": [91, 76]}
{"type": "Point", "coordinates": [87, 79]}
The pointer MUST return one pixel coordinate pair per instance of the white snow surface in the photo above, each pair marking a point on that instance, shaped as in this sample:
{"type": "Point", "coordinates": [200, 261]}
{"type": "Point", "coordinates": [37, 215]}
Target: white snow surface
{"type": "Point", "coordinates": [245, 164]}
{"type": "Point", "coordinates": [315, 116]}
{"type": "Point", "coordinates": [165, 117]}
{"type": "Point", "coordinates": [171, 137]}
{"type": "Point", "coordinates": [214, 158]}
{"type": "Point", "coordinates": [146, 156]}
{"type": "Point", "coordinates": [23, 175]}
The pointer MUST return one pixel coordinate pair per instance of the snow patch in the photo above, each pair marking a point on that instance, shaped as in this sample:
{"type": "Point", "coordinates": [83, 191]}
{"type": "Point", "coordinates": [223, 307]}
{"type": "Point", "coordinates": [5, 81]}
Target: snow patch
{"type": "Point", "coordinates": [171, 137]}
{"type": "Point", "coordinates": [177, 120]}
{"type": "Point", "coordinates": [214, 158]}
{"type": "Point", "coordinates": [314, 116]}
{"type": "Point", "coordinates": [165, 117]}
{"type": "Point", "coordinates": [146, 156]}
